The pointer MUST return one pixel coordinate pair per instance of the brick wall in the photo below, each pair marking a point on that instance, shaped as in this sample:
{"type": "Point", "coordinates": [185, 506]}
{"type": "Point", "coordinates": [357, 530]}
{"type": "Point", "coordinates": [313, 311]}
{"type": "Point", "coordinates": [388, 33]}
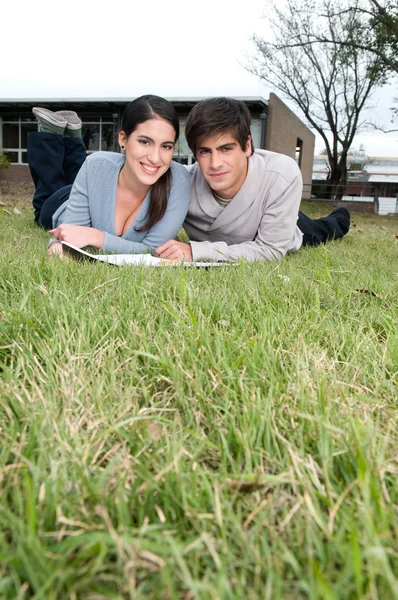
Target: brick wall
{"type": "Point", "coordinates": [283, 129]}
{"type": "Point", "coordinates": [16, 181]}
{"type": "Point", "coordinates": [16, 173]}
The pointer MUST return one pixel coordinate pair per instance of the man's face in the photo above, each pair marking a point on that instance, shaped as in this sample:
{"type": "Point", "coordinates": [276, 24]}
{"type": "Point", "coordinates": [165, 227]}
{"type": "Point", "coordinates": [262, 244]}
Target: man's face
{"type": "Point", "coordinates": [223, 163]}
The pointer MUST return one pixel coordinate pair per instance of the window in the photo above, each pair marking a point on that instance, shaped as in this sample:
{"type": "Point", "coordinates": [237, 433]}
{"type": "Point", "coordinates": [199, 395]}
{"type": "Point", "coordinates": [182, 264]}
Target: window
{"type": "Point", "coordinates": [299, 151]}
{"type": "Point", "coordinates": [255, 130]}
{"type": "Point", "coordinates": [182, 153]}
{"type": "Point", "coordinates": [107, 137]}
{"type": "Point", "coordinates": [14, 136]}
{"type": "Point", "coordinates": [12, 156]}
{"type": "Point", "coordinates": [90, 135]}
{"type": "Point", "coordinates": [25, 129]}
{"type": "Point", "coordinates": [10, 135]}
{"type": "Point", "coordinates": [99, 135]}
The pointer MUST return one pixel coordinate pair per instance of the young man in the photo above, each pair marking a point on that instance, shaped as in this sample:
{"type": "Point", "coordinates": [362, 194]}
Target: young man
{"type": "Point", "coordinates": [244, 203]}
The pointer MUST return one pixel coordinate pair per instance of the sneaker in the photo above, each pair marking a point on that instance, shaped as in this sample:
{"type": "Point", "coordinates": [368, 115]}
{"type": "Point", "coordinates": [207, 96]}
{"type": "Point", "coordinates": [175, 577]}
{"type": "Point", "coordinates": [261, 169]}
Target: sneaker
{"type": "Point", "coordinates": [73, 122]}
{"type": "Point", "coordinates": [72, 118]}
{"type": "Point", "coordinates": [49, 121]}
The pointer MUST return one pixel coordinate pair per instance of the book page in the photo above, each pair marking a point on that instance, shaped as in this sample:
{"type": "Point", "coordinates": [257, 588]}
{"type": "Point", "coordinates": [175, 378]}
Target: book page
{"type": "Point", "coordinates": [119, 260]}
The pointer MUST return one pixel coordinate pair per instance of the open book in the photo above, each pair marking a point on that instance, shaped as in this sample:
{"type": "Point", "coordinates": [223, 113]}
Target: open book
{"type": "Point", "coordinates": [119, 260]}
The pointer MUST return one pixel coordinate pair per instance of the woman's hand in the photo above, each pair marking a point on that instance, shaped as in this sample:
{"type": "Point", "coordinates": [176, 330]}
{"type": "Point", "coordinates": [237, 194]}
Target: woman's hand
{"type": "Point", "coordinates": [78, 235]}
{"type": "Point", "coordinates": [55, 250]}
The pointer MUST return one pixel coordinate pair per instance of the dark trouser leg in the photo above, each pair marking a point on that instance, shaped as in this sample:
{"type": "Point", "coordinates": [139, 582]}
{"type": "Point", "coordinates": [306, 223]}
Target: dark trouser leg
{"type": "Point", "coordinates": [45, 158]}
{"type": "Point", "coordinates": [54, 161]}
{"type": "Point", "coordinates": [74, 157]}
{"type": "Point", "coordinates": [51, 205]}
{"type": "Point", "coordinates": [320, 231]}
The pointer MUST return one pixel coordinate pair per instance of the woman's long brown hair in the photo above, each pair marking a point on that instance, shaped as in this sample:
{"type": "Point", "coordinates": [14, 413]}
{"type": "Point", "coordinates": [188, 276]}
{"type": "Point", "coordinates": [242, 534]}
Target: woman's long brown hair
{"type": "Point", "coordinates": [138, 111]}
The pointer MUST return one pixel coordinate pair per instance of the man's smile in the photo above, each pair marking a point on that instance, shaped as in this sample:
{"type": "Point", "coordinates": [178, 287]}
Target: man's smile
{"type": "Point", "coordinates": [218, 175]}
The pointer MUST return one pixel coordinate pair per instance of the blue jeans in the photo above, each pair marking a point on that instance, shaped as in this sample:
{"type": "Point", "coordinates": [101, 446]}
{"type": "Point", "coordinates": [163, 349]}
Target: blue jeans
{"type": "Point", "coordinates": [54, 161]}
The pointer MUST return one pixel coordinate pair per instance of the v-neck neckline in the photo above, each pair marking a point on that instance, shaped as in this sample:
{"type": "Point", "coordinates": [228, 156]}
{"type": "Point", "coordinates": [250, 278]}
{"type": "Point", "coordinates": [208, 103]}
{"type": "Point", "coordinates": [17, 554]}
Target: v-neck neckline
{"type": "Point", "coordinates": [144, 203]}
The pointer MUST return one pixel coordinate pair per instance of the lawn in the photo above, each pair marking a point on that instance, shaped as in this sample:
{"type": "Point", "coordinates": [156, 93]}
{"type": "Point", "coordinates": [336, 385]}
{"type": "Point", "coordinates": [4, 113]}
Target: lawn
{"type": "Point", "coordinates": [199, 434]}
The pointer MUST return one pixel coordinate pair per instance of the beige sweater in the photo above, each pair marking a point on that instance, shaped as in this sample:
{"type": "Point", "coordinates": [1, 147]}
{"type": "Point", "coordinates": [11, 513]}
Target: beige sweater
{"type": "Point", "coordinates": [259, 223]}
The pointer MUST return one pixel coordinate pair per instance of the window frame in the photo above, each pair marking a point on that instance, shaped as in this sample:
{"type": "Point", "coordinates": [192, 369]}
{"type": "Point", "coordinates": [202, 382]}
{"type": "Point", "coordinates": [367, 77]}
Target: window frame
{"type": "Point", "coordinates": [101, 121]}
{"type": "Point", "coordinates": [20, 121]}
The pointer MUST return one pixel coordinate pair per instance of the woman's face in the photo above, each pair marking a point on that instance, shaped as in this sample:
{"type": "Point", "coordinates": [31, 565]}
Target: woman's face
{"type": "Point", "coordinates": [149, 150]}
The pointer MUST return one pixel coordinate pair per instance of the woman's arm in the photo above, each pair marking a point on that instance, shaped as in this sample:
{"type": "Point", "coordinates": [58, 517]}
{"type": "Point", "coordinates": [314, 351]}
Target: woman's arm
{"type": "Point", "coordinates": [74, 223]}
{"type": "Point", "coordinates": [78, 236]}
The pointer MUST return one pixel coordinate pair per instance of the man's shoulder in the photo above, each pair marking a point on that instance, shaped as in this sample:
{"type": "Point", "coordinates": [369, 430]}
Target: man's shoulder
{"type": "Point", "coordinates": [274, 162]}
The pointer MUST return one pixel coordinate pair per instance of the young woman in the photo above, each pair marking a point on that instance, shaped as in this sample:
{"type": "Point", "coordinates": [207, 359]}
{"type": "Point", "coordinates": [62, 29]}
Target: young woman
{"type": "Point", "coordinates": [124, 203]}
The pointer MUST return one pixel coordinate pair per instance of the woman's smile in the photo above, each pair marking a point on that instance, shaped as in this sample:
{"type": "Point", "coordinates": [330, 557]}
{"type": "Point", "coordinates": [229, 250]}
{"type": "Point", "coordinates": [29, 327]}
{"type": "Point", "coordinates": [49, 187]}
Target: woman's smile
{"type": "Point", "coordinates": [150, 170]}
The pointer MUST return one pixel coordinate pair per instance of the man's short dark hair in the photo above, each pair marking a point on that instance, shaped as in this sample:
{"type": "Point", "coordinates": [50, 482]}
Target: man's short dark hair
{"type": "Point", "coordinates": [217, 116]}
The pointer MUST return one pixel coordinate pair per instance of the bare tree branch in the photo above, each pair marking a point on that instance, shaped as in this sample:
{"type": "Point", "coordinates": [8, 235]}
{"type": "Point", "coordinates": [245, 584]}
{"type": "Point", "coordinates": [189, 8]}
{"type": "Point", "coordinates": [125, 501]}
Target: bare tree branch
{"type": "Point", "coordinates": [376, 31]}
{"type": "Point", "coordinates": [313, 62]}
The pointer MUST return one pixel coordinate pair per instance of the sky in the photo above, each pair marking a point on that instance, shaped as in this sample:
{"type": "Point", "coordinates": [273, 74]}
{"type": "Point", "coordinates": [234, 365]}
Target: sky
{"type": "Point", "coordinates": [126, 48]}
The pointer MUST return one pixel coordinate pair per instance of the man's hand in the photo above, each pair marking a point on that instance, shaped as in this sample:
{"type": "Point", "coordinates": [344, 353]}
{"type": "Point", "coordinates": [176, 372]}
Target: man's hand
{"type": "Point", "coordinates": [55, 250]}
{"type": "Point", "coordinates": [175, 250]}
{"type": "Point", "coordinates": [79, 236]}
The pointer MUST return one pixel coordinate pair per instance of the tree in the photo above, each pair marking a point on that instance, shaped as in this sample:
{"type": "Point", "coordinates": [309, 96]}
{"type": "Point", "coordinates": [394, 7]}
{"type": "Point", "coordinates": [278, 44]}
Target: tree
{"type": "Point", "coordinates": [377, 32]}
{"type": "Point", "coordinates": [384, 24]}
{"type": "Point", "coordinates": [312, 62]}
{"type": "Point", "coordinates": [383, 39]}
{"type": "Point", "coordinates": [4, 162]}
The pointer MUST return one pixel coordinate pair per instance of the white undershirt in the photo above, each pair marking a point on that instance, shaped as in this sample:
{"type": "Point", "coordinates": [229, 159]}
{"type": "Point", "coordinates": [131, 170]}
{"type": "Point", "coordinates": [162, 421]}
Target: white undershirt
{"type": "Point", "coordinates": [221, 201]}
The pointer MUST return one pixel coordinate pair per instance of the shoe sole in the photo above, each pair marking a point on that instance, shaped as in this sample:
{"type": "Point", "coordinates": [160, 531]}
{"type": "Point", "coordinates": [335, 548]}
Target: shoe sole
{"type": "Point", "coordinates": [72, 121]}
{"type": "Point", "coordinates": [42, 113]}
{"type": "Point", "coordinates": [74, 126]}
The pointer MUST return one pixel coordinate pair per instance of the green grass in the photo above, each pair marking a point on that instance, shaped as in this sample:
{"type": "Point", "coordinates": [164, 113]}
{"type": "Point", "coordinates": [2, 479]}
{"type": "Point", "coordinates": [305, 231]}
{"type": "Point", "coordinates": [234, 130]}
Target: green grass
{"type": "Point", "coordinates": [193, 434]}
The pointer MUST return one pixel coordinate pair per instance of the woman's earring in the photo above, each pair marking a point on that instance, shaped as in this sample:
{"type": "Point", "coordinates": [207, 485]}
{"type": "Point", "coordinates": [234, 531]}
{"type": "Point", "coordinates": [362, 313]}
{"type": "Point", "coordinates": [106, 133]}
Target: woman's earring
{"type": "Point", "coordinates": [122, 146]}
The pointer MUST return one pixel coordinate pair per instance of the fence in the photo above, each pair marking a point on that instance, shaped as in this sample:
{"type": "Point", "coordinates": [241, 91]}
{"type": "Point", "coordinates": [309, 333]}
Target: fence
{"type": "Point", "coordinates": [358, 197]}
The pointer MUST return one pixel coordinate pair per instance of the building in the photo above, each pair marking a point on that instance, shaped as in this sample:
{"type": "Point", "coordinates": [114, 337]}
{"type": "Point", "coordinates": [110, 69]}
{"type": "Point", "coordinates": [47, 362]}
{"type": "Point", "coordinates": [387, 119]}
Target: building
{"type": "Point", "coordinates": [371, 180]}
{"type": "Point", "coordinates": [274, 127]}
